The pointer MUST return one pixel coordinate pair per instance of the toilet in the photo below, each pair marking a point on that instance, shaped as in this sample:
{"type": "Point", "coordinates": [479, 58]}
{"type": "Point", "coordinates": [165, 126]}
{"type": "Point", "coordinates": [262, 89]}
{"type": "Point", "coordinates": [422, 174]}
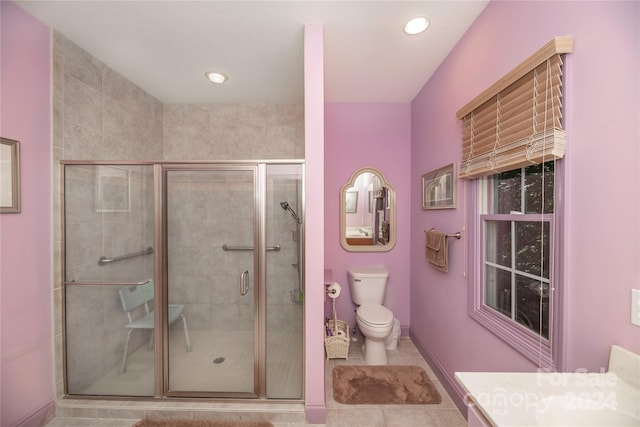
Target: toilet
{"type": "Point", "coordinates": [375, 321]}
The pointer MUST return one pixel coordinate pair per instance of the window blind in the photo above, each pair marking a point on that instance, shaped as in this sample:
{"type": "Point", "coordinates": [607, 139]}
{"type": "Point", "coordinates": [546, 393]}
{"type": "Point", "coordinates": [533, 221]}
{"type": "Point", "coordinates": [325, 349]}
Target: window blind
{"type": "Point", "coordinates": [518, 120]}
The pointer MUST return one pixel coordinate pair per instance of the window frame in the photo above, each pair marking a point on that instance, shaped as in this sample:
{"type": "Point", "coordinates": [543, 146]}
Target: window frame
{"type": "Point", "coordinates": [546, 353]}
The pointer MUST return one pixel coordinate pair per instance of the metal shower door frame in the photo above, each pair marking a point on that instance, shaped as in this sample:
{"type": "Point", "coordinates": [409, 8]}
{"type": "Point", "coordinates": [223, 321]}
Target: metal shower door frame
{"type": "Point", "coordinates": [259, 276]}
{"type": "Point", "coordinates": [160, 269]}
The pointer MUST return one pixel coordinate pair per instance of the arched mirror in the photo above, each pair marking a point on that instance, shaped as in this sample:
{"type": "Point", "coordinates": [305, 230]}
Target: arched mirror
{"type": "Point", "coordinates": [367, 212]}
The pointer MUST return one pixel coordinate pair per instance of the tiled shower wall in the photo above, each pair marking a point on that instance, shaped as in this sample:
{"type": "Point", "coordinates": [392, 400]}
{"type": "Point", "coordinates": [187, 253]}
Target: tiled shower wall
{"type": "Point", "coordinates": [233, 132]}
{"type": "Point", "coordinates": [99, 115]}
{"type": "Point", "coordinates": [284, 303]}
{"type": "Point", "coordinates": [203, 276]}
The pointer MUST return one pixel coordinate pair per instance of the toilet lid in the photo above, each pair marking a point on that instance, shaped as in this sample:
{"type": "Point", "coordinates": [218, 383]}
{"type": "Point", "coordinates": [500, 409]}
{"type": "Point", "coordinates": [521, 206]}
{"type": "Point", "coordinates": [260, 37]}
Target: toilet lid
{"type": "Point", "coordinates": [375, 314]}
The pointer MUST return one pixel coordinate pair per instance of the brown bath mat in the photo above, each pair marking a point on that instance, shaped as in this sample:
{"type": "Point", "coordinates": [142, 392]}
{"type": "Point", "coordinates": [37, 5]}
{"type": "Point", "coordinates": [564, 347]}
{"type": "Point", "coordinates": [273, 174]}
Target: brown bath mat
{"type": "Point", "coordinates": [383, 385]}
{"type": "Point", "coordinates": [168, 422]}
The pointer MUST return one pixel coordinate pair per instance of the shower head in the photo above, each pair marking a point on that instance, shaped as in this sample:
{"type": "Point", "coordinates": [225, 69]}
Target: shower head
{"type": "Point", "coordinates": [286, 207]}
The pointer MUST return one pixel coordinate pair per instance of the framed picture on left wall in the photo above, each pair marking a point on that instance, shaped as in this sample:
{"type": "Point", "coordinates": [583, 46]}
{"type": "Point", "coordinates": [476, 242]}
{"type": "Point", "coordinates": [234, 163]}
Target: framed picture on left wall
{"type": "Point", "coordinates": [9, 176]}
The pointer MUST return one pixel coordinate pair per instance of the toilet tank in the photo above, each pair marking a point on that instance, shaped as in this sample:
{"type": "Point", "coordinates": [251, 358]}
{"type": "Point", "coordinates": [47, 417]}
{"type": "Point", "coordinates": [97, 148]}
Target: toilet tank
{"type": "Point", "coordinates": [367, 285]}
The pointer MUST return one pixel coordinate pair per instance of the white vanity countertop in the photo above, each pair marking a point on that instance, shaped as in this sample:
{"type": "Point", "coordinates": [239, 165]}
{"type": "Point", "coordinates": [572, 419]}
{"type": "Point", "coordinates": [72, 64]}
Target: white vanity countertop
{"type": "Point", "coordinates": [551, 398]}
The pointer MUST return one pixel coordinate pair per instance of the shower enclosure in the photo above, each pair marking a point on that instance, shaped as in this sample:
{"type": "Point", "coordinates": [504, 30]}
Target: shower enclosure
{"type": "Point", "coordinates": [209, 241]}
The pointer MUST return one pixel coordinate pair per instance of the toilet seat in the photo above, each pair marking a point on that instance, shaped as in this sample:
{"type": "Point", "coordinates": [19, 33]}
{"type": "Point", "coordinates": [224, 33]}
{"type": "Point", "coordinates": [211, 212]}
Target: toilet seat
{"type": "Point", "coordinates": [375, 315]}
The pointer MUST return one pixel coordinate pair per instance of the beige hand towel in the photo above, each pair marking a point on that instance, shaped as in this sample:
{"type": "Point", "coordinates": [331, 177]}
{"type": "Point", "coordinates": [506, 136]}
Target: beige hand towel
{"type": "Point", "coordinates": [437, 252]}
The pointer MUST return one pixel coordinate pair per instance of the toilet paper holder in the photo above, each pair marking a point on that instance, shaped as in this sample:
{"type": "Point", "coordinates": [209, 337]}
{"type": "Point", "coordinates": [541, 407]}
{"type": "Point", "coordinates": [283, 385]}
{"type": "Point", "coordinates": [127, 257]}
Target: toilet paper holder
{"type": "Point", "coordinates": [332, 290]}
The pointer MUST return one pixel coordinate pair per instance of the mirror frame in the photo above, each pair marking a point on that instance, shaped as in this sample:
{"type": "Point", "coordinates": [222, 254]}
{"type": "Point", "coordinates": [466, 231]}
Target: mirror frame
{"type": "Point", "coordinates": [392, 213]}
{"type": "Point", "coordinates": [10, 180]}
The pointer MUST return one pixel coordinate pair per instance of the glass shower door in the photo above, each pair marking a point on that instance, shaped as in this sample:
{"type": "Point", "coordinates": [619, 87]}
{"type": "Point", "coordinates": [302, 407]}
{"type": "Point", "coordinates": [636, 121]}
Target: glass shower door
{"type": "Point", "coordinates": [109, 242]}
{"type": "Point", "coordinates": [212, 260]}
{"type": "Point", "coordinates": [285, 281]}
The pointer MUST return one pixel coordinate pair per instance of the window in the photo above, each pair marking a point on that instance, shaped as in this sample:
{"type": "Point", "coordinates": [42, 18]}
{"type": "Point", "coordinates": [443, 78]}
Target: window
{"type": "Point", "coordinates": [514, 281]}
{"type": "Point", "coordinates": [513, 140]}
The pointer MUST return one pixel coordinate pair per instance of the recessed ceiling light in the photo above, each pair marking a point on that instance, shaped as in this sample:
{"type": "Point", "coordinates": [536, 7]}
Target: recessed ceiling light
{"type": "Point", "coordinates": [216, 77]}
{"type": "Point", "coordinates": [416, 25]}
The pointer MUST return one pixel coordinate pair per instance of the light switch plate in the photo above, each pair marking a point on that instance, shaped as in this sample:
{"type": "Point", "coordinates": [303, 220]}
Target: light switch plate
{"type": "Point", "coordinates": [635, 306]}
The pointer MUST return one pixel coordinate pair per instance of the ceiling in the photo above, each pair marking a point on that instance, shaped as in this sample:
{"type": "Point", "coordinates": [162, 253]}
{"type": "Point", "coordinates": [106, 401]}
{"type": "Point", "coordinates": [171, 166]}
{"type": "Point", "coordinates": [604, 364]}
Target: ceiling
{"type": "Point", "coordinates": [165, 47]}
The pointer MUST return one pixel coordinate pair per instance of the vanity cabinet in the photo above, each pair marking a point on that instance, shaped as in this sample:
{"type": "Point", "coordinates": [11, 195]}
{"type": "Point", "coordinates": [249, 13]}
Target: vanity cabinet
{"type": "Point", "coordinates": [360, 241]}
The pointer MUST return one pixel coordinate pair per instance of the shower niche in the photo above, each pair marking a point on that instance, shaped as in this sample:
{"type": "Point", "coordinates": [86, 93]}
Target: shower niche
{"type": "Point", "coordinates": [206, 235]}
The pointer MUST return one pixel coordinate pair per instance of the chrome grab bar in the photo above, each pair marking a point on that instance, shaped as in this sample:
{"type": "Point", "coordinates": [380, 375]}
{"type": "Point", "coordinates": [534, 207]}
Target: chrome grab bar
{"type": "Point", "coordinates": [244, 283]}
{"type": "Point", "coordinates": [104, 260]}
{"type": "Point", "coordinates": [225, 247]}
{"type": "Point", "coordinates": [89, 282]}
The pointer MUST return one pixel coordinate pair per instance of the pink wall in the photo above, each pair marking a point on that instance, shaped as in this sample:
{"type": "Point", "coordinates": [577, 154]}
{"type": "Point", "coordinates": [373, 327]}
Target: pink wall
{"type": "Point", "coordinates": [374, 135]}
{"type": "Point", "coordinates": [25, 245]}
{"type": "Point", "coordinates": [314, 222]}
{"type": "Point", "coordinates": [390, 137]}
{"type": "Point", "coordinates": [601, 257]}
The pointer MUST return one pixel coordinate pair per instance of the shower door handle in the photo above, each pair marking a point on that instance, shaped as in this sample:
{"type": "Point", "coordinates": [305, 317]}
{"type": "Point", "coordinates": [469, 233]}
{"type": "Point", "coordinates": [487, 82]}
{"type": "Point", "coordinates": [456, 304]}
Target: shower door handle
{"type": "Point", "coordinates": [244, 283]}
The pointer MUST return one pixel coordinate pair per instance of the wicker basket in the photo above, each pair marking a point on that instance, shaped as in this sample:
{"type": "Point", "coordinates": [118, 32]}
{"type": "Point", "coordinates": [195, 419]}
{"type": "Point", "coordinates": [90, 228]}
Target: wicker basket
{"type": "Point", "coordinates": [337, 346]}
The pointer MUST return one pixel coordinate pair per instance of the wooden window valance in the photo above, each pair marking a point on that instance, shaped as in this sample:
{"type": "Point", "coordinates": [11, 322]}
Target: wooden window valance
{"type": "Point", "coordinates": [518, 120]}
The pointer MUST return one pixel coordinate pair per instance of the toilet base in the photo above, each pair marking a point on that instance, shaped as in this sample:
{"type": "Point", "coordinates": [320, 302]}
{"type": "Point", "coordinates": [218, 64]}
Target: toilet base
{"type": "Point", "coordinates": [374, 352]}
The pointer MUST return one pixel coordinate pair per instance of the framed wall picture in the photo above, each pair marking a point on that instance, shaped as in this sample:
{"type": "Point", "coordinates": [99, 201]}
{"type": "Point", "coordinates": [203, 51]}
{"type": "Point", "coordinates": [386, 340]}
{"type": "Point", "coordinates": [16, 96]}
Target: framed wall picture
{"type": "Point", "coordinates": [9, 176]}
{"type": "Point", "coordinates": [351, 202]}
{"type": "Point", "coordinates": [439, 188]}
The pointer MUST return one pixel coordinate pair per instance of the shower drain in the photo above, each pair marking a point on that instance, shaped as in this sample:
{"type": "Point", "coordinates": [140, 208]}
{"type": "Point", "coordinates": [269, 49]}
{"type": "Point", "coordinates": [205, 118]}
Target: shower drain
{"type": "Point", "coordinates": [218, 360]}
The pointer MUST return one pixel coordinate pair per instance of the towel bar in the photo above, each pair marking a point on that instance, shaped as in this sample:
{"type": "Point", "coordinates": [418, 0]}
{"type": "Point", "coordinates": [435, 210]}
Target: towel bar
{"type": "Point", "coordinates": [100, 283]}
{"type": "Point", "coordinates": [225, 247]}
{"type": "Point", "coordinates": [457, 235]}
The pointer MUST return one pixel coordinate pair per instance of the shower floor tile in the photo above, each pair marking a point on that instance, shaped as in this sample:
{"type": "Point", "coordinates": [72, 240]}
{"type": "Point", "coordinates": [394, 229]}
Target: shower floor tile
{"type": "Point", "coordinates": [219, 362]}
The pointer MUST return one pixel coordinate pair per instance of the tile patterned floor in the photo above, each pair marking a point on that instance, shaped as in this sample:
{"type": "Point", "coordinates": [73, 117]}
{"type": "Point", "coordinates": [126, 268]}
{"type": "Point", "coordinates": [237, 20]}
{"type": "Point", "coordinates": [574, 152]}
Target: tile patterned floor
{"type": "Point", "coordinates": [444, 414]}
